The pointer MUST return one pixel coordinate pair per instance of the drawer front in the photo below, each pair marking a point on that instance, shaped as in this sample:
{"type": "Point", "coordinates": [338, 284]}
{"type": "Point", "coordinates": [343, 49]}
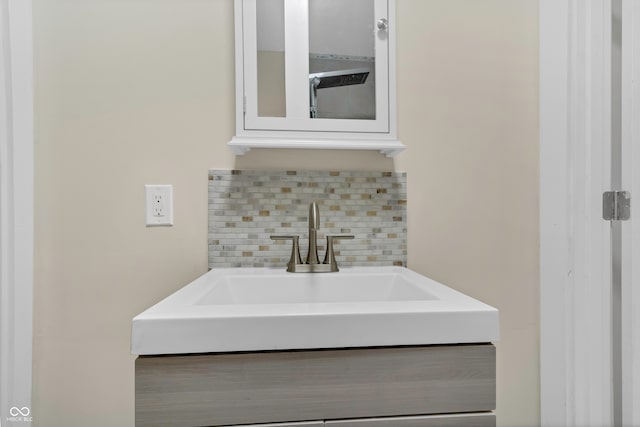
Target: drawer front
{"type": "Point", "coordinates": [309, 424]}
{"type": "Point", "coordinates": [250, 388]}
{"type": "Point", "coordinates": [458, 420]}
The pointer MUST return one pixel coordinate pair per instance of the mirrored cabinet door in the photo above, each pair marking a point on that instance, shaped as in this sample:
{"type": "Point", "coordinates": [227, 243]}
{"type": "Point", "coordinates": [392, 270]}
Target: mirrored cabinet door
{"type": "Point", "coordinates": [315, 65]}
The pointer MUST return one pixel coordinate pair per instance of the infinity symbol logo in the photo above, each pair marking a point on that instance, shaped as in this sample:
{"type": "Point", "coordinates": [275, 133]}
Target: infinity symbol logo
{"type": "Point", "coordinates": [24, 411]}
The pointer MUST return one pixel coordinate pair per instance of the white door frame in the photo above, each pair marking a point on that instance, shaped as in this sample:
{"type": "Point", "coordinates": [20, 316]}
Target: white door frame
{"type": "Point", "coordinates": [16, 209]}
{"type": "Point", "coordinates": [575, 168]}
{"type": "Point", "coordinates": [631, 235]}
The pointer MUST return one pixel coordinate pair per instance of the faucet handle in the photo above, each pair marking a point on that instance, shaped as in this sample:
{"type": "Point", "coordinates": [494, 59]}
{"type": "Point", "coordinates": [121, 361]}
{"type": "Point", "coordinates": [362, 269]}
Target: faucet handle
{"type": "Point", "coordinates": [295, 251]}
{"type": "Point", "coordinates": [329, 256]}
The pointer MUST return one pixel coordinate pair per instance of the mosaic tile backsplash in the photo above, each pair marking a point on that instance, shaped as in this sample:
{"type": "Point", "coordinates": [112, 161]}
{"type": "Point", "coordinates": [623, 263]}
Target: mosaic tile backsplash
{"type": "Point", "coordinates": [246, 207]}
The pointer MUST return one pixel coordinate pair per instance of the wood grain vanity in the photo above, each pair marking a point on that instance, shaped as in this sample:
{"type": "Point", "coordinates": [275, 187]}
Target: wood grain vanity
{"type": "Point", "coordinates": [409, 386]}
{"type": "Point", "coordinates": [365, 347]}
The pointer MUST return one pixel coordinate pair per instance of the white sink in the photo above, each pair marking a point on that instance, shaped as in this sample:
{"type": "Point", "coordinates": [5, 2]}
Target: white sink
{"type": "Point", "coordinates": [288, 288]}
{"type": "Point", "coordinates": [269, 309]}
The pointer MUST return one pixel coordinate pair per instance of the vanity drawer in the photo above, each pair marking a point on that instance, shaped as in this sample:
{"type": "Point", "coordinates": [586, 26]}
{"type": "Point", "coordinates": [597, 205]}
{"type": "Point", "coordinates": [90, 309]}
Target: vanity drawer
{"type": "Point", "coordinates": [309, 424]}
{"type": "Point", "coordinates": [263, 387]}
{"type": "Point", "coordinates": [457, 420]}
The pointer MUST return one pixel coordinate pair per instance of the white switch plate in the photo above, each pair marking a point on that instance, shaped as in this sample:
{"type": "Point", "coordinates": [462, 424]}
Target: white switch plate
{"type": "Point", "coordinates": [158, 204]}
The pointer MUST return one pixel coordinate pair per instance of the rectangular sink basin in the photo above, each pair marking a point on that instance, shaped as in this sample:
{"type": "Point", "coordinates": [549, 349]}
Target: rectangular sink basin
{"type": "Point", "coordinates": [255, 309]}
{"type": "Point", "coordinates": [287, 288]}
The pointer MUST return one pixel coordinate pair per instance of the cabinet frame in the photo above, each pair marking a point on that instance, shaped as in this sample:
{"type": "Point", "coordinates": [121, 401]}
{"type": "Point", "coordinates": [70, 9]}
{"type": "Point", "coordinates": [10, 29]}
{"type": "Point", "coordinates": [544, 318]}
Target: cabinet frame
{"type": "Point", "coordinates": [297, 130]}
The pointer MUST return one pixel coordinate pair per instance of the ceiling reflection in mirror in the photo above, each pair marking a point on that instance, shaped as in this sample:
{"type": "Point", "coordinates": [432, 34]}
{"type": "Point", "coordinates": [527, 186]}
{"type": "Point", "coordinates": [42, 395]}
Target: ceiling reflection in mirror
{"type": "Point", "coordinates": [341, 59]}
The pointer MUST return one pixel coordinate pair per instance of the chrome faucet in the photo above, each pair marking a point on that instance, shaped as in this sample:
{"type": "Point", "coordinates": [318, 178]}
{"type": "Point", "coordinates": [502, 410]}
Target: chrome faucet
{"type": "Point", "coordinates": [312, 263]}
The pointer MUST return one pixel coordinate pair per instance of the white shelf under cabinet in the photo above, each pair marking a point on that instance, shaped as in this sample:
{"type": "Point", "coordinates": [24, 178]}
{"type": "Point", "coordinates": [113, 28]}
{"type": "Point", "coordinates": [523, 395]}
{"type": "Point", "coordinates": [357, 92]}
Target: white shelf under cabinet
{"type": "Point", "coordinates": [241, 145]}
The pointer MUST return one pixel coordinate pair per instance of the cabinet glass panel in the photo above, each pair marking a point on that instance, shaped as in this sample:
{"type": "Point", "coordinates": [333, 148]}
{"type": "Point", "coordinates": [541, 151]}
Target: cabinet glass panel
{"type": "Point", "coordinates": [271, 58]}
{"type": "Point", "coordinates": [342, 81]}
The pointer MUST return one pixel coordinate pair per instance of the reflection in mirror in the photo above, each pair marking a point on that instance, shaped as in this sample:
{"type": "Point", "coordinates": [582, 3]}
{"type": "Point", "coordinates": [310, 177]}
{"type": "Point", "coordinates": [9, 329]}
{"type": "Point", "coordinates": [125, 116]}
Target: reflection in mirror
{"type": "Point", "coordinates": [270, 61]}
{"type": "Point", "coordinates": [342, 59]}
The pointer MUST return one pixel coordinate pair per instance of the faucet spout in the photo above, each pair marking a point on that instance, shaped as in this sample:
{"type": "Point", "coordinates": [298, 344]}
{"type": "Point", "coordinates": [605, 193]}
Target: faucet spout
{"type": "Point", "coordinates": [312, 264]}
{"type": "Point", "coordinates": [314, 216]}
{"type": "Point", "coordinates": [314, 225]}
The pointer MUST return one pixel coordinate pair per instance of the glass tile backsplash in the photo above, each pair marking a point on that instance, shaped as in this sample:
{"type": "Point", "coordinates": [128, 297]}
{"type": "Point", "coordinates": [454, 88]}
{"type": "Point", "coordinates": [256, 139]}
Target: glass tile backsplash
{"type": "Point", "coordinates": [248, 206]}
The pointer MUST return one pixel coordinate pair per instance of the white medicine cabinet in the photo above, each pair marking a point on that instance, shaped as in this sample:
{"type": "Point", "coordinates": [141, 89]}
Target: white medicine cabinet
{"type": "Point", "coordinates": [315, 74]}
